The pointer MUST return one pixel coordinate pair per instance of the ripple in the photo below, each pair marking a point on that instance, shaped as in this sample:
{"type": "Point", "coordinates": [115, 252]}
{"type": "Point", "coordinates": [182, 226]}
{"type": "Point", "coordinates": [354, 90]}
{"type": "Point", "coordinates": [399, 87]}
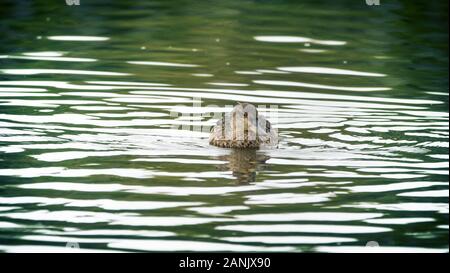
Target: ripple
{"type": "Point", "coordinates": [20, 89]}
{"type": "Point", "coordinates": [129, 84]}
{"type": "Point", "coordinates": [297, 94]}
{"type": "Point", "coordinates": [111, 232]}
{"type": "Point", "coordinates": [300, 103]}
{"type": "Point", "coordinates": [49, 58]}
{"type": "Point", "coordinates": [248, 72]}
{"type": "Point", "coordinates": [131, 173]}
{"type": "Point", "coordinates": [394, 187]}
{"type": "Point", "coordinates": [321, 86]}
{"type": "Point", "coordinates": [202, 75]}
{"type": "Point", "coordinates": [8, 225]}
{"type": "Point", "coordinates": [26, 248]}
{"type": "Point", "coordinates": [185, 245]}
{"type": "Point", "coordinates": [173, 191]}
{"type": "Point", "coordinates": [289, 239]}
{"type": "Point", "coordinates": [332, 71]}
{"type": "Point", "coordinates": [309, 216]}
{"type": "Point", "coordinates": [435, 193]}
{"type": "Point", "coordinates": [181, 160]}
{"type": "Point", "coordinates": [314, 51]}
{"type": "Point", "coordinates": [60, 71]}
{"type": "Point", "coordinates": [45, 103]}
{"type": "Point", "coordinates": [381, 249]}
{"type": "Point", "coordinates": [78, 38]}
{"type": "Point", "coordinates": [64, 216]}
{"type": "Point", "coordinates": [100, 108]}
{"type": "Point", "coordinates": [398, 221]}
{"type": "Point", "coordinates": [227, 84]}
{"type": "Point", "coordinates": [438, 207]}
{"type": "Point", "coordinates": [162, 64]}
{"type": "Point", "coordinates": [60, 84]}
{"type": "Point", "coordinates": [106, 204]}
{"type": "Point", "coordinates": [288, 198]}
{"type": "Point", "coordinates": [341, 229]}
{"type": "Point", "coordinates": [218, 209]}
{"type": "Point", "coordinates": [44, 54]}
{"type": "Point", "coordinates": [297, 39]}
{"type": "Point", "coordinates": [23, 94]}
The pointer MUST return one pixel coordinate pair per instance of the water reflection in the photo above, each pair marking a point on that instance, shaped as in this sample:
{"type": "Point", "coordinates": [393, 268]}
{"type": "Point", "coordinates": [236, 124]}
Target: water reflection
{"type": "Point", "coordinates": [244, 164]}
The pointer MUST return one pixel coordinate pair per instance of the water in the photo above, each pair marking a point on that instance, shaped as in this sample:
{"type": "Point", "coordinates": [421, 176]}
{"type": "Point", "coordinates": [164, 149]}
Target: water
{"type": "Point", "coordinates": [91, 97]}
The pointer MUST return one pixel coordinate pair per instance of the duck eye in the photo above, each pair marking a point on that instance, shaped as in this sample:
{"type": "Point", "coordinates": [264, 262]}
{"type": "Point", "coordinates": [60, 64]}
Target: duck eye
{"type": "Point", "coordinates": [267, 126]}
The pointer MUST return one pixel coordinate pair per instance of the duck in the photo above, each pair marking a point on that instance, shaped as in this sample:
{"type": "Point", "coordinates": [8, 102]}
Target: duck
{"type": "Point", "coordinates": [243, 128]}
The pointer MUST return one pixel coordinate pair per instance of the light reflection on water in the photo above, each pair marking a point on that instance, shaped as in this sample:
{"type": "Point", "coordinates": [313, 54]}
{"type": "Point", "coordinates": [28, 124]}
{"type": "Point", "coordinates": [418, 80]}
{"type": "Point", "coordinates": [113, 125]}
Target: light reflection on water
{"type": "Point", "coordinates": [89, 152]}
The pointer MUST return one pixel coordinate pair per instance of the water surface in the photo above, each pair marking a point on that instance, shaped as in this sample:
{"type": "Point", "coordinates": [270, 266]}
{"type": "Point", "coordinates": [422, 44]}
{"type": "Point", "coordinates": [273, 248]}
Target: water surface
{"type": "Point", "coordinates": [99, 118]}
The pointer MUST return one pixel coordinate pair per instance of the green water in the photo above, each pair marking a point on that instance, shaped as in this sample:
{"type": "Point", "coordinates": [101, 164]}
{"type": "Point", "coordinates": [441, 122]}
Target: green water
{"type": "Point", "coordinates": [99, 126]}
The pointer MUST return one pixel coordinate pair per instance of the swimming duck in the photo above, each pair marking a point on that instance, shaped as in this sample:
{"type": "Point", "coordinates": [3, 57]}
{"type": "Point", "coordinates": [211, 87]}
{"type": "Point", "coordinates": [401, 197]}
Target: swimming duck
{"type": "Point", "coordinates": [243, 128]}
